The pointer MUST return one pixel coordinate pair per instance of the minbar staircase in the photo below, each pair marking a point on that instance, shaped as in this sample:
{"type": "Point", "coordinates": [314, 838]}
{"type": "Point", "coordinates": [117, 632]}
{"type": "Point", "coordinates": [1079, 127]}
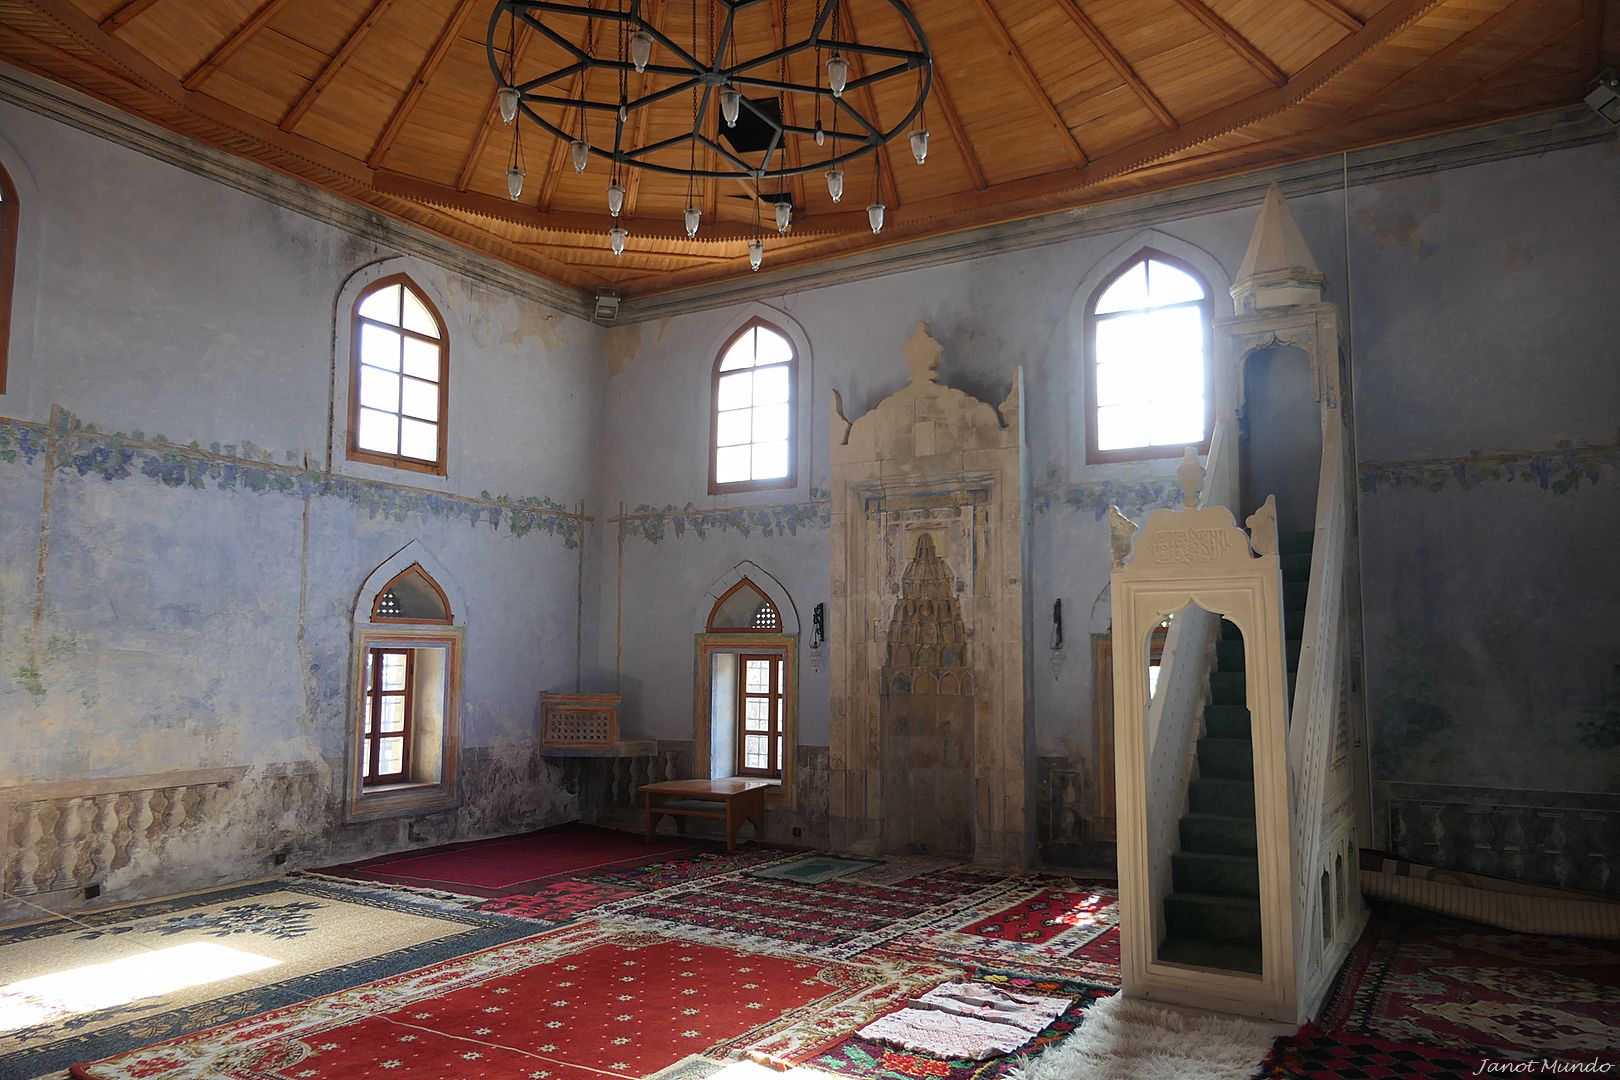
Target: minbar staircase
{"type": "Point", "coordinates": [1212, 918]}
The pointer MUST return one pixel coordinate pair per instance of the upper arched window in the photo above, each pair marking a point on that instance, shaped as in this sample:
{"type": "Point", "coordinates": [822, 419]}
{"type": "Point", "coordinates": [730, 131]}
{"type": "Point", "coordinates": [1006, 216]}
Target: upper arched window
{"type": "Point", "coordinates": [751, 436]}
{"type": "Point", "coordinates": [744, 609]}
{"type": "Point", "coordinates": [10, 220]}
{"type": "Point", "coordinates": [1147, 379]}
{"type": "Point", "coordinates": [399, 378]}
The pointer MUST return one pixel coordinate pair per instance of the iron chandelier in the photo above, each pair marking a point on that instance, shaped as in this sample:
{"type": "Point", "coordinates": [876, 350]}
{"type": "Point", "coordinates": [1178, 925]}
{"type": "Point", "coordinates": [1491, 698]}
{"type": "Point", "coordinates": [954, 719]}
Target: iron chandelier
{"type": "Point", "coordinates": [763, 109]}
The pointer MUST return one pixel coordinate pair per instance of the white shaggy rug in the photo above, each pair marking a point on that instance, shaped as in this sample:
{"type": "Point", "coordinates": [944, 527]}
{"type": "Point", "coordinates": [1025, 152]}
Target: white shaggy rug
{"type": "Point", "coordinates": [1133, 1040]}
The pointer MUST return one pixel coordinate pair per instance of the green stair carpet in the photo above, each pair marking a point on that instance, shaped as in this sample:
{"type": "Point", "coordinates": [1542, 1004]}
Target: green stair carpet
{"type": "Point", "coordinates": [1212, 916]}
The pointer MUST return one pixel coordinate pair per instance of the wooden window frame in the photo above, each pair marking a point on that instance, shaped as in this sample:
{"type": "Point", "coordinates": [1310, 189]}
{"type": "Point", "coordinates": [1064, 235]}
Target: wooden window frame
{"type": "Point", "coordinates": [792, 365]}
{"type": "Point", "coordinates": [369, 775]}
{"type": "Point", "coordinates": [1206, 307]}
{"type": "Point", "coordinates": [416, 570]}
{"type": "Point", "coordinates": [10, 225]}
{"type": "Point", "coordinates": [776, 732]}
{"type": "Point", "coordinates": [356, 321]}
{"type": "Point", "coordinates": [714, 612]}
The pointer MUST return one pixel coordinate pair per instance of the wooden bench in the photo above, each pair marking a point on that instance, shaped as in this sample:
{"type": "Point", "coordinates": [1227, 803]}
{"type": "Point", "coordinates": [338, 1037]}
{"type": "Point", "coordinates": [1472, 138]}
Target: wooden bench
{"type": "Point", "coordinates": [740, 800]}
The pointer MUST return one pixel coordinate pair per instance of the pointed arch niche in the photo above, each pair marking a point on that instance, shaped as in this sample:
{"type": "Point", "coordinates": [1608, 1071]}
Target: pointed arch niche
{"type": "Point", "coordinates": [745, 704]}
{"type": "Point", "coordinates": [403, 724]}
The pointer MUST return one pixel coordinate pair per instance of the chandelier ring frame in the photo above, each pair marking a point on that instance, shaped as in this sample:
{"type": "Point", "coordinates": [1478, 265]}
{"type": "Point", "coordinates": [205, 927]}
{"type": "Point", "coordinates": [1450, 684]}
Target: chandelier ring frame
{"type": "Point", "coordinates": [693, 73]}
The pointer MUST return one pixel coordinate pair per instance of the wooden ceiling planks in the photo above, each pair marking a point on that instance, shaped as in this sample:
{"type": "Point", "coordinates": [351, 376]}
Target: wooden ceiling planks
{"type": "Point", "coordinates": [1037, 106]}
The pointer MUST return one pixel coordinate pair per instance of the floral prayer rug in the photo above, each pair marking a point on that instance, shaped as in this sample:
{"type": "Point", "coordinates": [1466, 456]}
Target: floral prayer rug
{"type": "Point", "coordinates": [1312, 1054]}
{"type": "Point", "coordinates": [108, 981]}
{"type": "Point", "coordinates": [835, 920]}
{"type": "Point", "coordinates": [586, 1001]}
{"type": "Point", "coordinates": [858, 1057]}
{"type": "Point", "coordinates": [1067, 930]}
{"type": "Point", "coordinates": [812, 869]}
{"type": "Point", "coordinates": [516, 864]}
{"type": "Point", "coordinates": [559, 901]}
{"type": "Point", "coordinates": [1419, 977]}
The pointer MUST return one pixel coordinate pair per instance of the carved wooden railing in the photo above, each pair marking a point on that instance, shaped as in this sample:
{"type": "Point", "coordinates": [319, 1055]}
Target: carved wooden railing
{"type": "Point", "coordinates": [1316, 716]}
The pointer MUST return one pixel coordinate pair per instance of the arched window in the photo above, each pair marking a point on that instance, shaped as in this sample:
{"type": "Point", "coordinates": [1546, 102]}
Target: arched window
{"type": "Point", "coordinates": [745, 609]}
{"type": "Point", "coordinates": [1147, 377]}
{"type": "Point", "coordinates": [405, 715]}
{"type": "Point", "coordinates": [398, 378]}
{"type": "Point", "coordinates": [10, 221]}
{"type": "Point", "coordinates": [751, 434]}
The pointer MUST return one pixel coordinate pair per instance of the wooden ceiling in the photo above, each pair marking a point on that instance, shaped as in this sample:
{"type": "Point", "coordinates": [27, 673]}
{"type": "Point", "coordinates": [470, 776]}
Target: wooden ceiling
{"type": "Point", "coordinates": [1037, 105]}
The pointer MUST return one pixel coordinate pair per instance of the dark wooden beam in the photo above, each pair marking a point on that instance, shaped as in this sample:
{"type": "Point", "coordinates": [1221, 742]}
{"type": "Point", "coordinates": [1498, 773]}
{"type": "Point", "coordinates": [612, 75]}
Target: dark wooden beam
{"type": "Point", "coordinates": [1032, 82]}
{"type": "Point", "coordinates": [1238, 43]}
{"type": "Point", "coordinates": [424, 74]}
{"type": "Point", "coordinates": [230, 45]}
{"type": "Point", "coordinates": [1340, 15]}
{"type": "Point", "coordinates": [313, 91]}
{"type": "Point", "coordinates": [1117, 62]}
{"type": "Point", "coordinates": [123, 15]}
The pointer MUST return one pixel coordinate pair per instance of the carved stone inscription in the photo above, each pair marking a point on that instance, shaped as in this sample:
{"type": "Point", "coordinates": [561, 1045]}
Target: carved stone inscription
{"type": "Point", "coordinates": [1191, 547]}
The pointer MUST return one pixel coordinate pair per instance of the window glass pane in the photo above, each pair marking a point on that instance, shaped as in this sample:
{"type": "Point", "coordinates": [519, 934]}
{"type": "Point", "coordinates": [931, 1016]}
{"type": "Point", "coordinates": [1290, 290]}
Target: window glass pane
{"type": "Point", "coordinates": [758, 717]}
{"type": "Point", "coordinates": [419, 440]}
{"type": "Point", "coordinates": [1122, 426]}
{"type": "Point", "coordinates": [1119, 384]}
{"type": "Point", "coordinates": [422, 359]}
{"type": "Point", "coordinates": [417, 316]}
{"type": "Point", "coordinates": [379, 432]}
{"type": "Point", "coordinates": [421, 399]}
{"type": "Point", "coordinates": [1176, 333]}
{"type": "Point", "coordinates": [1168, 285]}
{"type": "Point", "coordinates": [368, 685]}
{"type": "Point", "coordinates": [365, 755]}
{"type": "Point", "coordinates": [771, 423]}
{"type": "Point", "coordinates": [773, 348]}
{"type": "Point", "coordinates": [391, 756]}
{"type": "Point", "coordinates": [780, 755]}
{"type": "Point", "coordinates": [756, 752]}
{"type": "Point", "coordinates": [1121, 338]}
{"type": "Point", "coordinates": [1127, 293]}
{"type": "Point", "coordinates": [731, 464]}
{"type": "Point", "coordinates": [365, 727]}
{"type": "Point", "coordinates": [741, 353]}
{"type": "Point", "coordinates": [758, 674]}
{"type": "Point", "coordinates": [382, 305]}
{"type": "Point", "coordinates": [735, 392]}
{"type": "Point", "coordinates": [393, 714]}
{"type": "Point", "coordinates": [379, 347]}
{"type": "Point", "coordinates": [379, 389]}
{"type": "Point", "coordinates": [393, 671]}
{"type": "Point", "coordinates": [734, 427]}
{"type": "Point", "coordinates": [770, 386]}
{"type": "Point", "coordinates": [770, 460]}
{"type": "Point", "coordinates": [1177, 420]}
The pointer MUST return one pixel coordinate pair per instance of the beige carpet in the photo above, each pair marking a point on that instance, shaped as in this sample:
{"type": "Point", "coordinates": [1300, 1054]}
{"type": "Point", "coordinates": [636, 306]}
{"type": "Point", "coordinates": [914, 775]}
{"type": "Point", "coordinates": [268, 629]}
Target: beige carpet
{"type": "Point", "coordinates": [1120, 1039]}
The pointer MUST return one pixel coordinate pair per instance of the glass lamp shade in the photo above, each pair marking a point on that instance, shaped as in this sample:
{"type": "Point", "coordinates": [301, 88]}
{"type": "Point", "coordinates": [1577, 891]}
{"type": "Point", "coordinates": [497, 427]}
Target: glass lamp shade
{"type": "Point", "coordinates": [874, 215]}
{"type": "Point", "coordinates": [615, 199]}
{"type": "Point", "coordinates": [821, 136]}
{"type": "Point", "coordinates": [693, 215]}
{"type": "Point", "coordinates": [837, 74]}
{"type": "Point", "coordinates": [756, 253]}
{"type": "Point", "coordinates": [730, 102]}
{"type": "Point", "coordinates": [514, 182]}
{"type": "Point", "coordinates": [641, 44]}
{"type": "Point", "coordinates": [507, 97]}
{"type": "Point", "coordinates": [581, 152]}
{"type": "Point", "coordinates": [784, 216]}
{"type": "Point", "coordinates": [616, 239]}
{"type": "Point", "coordinates": [835, 183]}
{"type": "Point", "coordinates": [919, 145]}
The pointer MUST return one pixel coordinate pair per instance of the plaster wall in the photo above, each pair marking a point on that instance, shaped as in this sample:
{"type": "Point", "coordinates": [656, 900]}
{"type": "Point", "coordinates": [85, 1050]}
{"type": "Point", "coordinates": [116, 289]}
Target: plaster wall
{"type": "Point", "coordinates": [1483, 339]}
{"type": "Point", "coordinates": [184, 546]}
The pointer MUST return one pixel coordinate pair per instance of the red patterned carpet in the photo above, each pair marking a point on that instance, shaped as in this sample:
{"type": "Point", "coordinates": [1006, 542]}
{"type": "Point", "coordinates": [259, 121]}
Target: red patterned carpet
{"type": "Point", "coordinates": [585, 1001]}
{"type": "Point", "coordinates": [1423, 978]}
{"type": "Point", "coordinates": [1312, 1054]}
{"type": "Point", "coordinates": [497, 868]}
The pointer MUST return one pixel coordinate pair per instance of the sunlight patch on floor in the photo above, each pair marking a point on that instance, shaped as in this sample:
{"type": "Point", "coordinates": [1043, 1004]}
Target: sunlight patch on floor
{"type": "Point", "coordinates": [94, 987]}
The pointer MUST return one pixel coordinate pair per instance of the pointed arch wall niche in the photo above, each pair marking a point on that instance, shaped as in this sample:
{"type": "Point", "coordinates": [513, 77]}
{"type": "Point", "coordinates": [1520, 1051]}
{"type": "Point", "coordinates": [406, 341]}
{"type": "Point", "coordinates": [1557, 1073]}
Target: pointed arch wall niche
{"type": "Point", "coordinates": [745, 701]}
{"type": "Point", "coordinates": [404, 721]}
